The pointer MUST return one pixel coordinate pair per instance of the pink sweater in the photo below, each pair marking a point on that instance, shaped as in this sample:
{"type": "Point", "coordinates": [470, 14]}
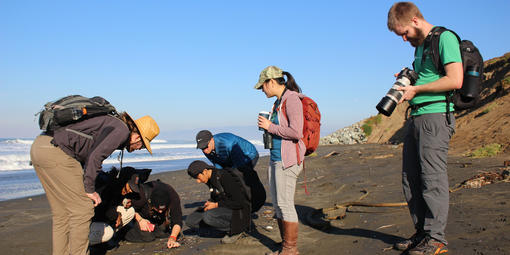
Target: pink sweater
{"type": "Point", "coordinates": [290, 128]}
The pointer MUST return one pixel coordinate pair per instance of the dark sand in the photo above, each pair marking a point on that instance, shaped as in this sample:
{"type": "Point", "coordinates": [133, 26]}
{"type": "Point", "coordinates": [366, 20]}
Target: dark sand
{"type": "Point", "coordinates": [479, 221]}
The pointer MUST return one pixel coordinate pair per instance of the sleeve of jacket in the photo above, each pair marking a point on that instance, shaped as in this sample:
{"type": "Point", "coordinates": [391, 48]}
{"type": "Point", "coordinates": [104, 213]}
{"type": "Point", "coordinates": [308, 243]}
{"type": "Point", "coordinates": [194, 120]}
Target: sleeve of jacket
{"type": "Point", "coordinates": [107, 142]}
{"type": "Point", "coordinates": [175, 207]}
{"type": "Point", "coordinates": [233, 193]}
{"type": "Point", "coordinates": [211, 159]}
{"type": "Point", "coordinates": [294, 112]}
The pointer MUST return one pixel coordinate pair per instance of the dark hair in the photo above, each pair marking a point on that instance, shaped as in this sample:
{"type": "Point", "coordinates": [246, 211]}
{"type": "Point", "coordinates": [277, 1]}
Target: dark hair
{"type": "Point", "coordinates": [129, 122]}
{"type": "Point", "coordinates": [290, 84]}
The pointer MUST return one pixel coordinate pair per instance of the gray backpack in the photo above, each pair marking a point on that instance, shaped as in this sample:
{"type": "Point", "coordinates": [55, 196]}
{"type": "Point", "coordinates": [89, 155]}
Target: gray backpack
{"type": "Point", "coordinates": [71, 109]}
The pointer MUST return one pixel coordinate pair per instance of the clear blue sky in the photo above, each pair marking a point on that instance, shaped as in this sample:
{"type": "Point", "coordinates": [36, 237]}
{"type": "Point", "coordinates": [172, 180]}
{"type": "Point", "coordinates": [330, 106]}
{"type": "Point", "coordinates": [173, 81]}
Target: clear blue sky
{"type": "Point", "coordinates": [193, 64]}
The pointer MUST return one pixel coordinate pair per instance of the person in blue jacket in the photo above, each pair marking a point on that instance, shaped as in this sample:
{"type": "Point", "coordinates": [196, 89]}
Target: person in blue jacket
{"type": "Point", "coordinates": [226, 150]}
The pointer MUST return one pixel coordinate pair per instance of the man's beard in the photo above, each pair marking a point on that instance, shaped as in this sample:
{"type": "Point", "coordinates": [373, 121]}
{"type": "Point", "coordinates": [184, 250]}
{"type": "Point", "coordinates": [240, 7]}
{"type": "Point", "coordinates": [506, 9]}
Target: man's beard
{"type": "Point", "coordinates": [418, 40]}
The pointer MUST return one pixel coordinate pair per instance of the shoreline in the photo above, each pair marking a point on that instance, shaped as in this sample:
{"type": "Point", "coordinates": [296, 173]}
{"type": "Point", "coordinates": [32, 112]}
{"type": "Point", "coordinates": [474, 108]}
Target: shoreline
{"type": "Point", "coordinates": [478, 221]}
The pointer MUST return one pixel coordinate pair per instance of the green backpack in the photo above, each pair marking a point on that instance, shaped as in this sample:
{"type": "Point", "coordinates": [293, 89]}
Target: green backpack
{"type": "Point", "coordinates": [71, 109]}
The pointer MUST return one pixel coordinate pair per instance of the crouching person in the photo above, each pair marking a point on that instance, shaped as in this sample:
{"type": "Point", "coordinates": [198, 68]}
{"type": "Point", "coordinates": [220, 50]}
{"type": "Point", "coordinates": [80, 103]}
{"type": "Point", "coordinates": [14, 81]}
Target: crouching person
{"type": "Point", "coordinates": [228, 209]}
{"type": "Point", "coordinates": [116, 211]}
{"type": "Point", "coordinates": [158, 214]}
{"type": "Point", "coordinates": [102, 232]}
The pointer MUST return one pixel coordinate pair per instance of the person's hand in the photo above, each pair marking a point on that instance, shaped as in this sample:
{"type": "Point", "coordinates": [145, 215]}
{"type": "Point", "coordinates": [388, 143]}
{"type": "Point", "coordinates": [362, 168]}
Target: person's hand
{"type": "Point", "coordinates": [210, 205]}
{"type": "Point", "coordinates": [118, 222]}
{"type": "Point", "coordinates": [409, 93]}
{"type": "Point", "coordinates": [172, 243]}
{"type": "Point", "coordinates": [264, 123]}
{"type": "Point", "coordinates": [95, 198]}
{"type": "Point", "coordinates": [145, 225]}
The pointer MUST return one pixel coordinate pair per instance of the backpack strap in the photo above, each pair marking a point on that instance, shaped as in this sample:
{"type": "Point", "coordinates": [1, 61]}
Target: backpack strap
{"type": "Point", "coordinates": [431, 47]}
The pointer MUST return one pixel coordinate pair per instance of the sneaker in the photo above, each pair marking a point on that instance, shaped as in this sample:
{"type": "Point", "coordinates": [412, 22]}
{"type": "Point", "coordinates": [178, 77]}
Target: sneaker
{"type": "Point", "coordinates": [429, 246]}
{"type": "Point", "coordinates": [233, 238]}
{"type": "Point", "coordinates": [409, 243]}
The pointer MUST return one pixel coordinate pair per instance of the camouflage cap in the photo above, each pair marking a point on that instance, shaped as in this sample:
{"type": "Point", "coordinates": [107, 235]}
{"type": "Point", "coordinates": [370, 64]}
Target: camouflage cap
{"type": "Point", "coordinates": [270, 72]}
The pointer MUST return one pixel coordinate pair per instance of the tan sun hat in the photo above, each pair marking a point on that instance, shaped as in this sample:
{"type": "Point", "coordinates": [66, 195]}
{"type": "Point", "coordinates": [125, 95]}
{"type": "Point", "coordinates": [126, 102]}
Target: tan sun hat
{"type": "Point", "coordinates": [148, 129]}
{"type": "Point", "coordinates": [270, 72]}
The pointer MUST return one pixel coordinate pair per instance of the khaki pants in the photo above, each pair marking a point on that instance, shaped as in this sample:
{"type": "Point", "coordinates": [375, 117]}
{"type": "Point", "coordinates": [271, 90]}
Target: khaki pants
{"type": "Point", "coordinates": [62, 179]}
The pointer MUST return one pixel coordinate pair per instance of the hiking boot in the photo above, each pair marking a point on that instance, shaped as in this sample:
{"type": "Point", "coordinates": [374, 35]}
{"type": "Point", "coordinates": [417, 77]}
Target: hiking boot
{"type": "Point", "coordinates": [429, 246]}
{"type": "Point", "coordinates": [233, 238]}
{"type": "Point", "coordinates": [409, 243]}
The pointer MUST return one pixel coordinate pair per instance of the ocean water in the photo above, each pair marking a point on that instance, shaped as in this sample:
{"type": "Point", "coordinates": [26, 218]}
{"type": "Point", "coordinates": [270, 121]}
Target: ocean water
{"type": "Point", "coordinates": [18, 178]}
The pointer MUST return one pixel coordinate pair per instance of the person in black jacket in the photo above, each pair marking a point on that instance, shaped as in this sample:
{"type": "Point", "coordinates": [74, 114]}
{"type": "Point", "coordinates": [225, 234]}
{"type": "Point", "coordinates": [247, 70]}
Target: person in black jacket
{"type": "Point", "coordinates": [228, 209]}
{"type": "Point", "coordinates": [158, 214]}
{"type": "Point", "coordinates": [115, 210]}
{"type": "Point", "coordinates": [67, 162]}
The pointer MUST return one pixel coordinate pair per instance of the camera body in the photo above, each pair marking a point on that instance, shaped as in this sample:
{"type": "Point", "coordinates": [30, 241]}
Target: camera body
{"type": "Point", "coordinates": [266, 137]}
{"type": "Point", "coordinates": [406, 77]}
{"type": "Point", "coordinates": [268, 140]}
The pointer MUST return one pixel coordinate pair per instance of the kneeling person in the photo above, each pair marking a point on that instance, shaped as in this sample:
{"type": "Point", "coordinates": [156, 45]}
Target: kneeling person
{"type": "Point", "coordinates": [228, 209]}
{"type": "Point", "coordinates": [158, 212]}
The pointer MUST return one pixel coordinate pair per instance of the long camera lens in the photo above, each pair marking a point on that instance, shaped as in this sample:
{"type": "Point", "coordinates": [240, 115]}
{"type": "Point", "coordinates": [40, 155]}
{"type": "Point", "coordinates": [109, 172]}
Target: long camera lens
{"type": "Point", "coordinates": [388, 103]}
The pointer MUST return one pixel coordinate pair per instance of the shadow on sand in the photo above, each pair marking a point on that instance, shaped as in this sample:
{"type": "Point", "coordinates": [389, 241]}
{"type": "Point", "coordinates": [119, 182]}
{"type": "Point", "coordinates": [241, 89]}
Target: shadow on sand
{"type": "Point", "coordinates": [304, 212]}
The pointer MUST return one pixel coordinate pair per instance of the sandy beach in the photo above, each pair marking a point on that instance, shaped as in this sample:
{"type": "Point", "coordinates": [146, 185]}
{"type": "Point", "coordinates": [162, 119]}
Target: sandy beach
{"type": "Point", "coordinates": [478, 219]}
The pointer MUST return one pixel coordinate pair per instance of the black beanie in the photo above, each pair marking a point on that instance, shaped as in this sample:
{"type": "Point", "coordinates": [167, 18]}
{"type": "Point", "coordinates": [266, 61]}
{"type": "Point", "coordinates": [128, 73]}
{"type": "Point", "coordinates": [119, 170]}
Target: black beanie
{"type": "Point", "coordinates": [160, 199]}
{"type": "Point", "coordinates": [197, 167]}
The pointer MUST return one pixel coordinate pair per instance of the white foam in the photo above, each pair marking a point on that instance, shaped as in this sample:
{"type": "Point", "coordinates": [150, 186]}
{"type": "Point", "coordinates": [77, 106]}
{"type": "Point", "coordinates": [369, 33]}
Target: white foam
{"type": "Point", "coordinates": [159, 141]}
{"type": "Point", "coordinates": [18, 141]}
{"type": "Point", "coordinates": [257, 142]}
{"type": "Point", "coordinates": [149, 159]}
{"type": "Point", "coordinates": [14, 162]}
{"type": "Point", "coordinates": [172, 146]}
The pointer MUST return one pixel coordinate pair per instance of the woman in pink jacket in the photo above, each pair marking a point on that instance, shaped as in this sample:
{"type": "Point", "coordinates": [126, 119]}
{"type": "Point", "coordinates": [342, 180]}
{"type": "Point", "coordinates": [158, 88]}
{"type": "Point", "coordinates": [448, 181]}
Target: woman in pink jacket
{"type": "Point", "coordinates": [285, 125]}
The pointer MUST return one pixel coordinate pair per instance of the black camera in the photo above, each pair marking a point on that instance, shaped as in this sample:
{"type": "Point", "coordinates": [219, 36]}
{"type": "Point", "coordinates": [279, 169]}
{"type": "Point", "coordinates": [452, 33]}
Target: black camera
{"type": "Point", "coordinates": [268, 140]}
{"type": "Point", "coordinates": [406, 77]}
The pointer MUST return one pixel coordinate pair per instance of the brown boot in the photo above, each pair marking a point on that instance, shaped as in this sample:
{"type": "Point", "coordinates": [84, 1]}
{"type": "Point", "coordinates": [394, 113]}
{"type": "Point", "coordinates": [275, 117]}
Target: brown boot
{"type": "Point", "coordinates": [290, 236]}
{"type": "Point", "coordinates": [288, 233]}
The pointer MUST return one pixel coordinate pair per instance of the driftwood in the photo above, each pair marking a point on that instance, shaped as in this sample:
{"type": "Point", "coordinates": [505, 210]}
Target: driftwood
{"type": "Point", "coordinates": [333, 153]}
{"type": "Point", "coordinates": [482, 179]}
{"type": "Point", "coordinates": [320, 218]}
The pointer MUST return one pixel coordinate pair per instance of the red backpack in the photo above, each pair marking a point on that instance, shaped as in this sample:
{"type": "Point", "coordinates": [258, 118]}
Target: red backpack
{"type": "Point", "coordinates": [311, 124]}
{"type": "Point", "coordinates": [311, 129]}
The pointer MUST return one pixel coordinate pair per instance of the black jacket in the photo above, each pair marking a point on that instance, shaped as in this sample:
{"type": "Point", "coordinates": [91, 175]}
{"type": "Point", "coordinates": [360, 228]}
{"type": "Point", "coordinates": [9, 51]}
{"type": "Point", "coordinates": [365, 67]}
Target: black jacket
{"type": "Point", "coordinates": [111, 197]}
{"type": "Point", "coordinates": [229, 192]}
{"type": "Point", "coordinates": [90, 142]}
{"type": "Point", "coordinates": [142, 206]}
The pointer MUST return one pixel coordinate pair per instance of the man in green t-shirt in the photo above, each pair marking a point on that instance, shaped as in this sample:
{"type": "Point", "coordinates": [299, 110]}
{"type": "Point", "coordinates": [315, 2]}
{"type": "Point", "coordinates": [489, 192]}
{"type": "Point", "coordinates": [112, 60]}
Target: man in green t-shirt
{"type": "Point", "coordinates": [425, 153]}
